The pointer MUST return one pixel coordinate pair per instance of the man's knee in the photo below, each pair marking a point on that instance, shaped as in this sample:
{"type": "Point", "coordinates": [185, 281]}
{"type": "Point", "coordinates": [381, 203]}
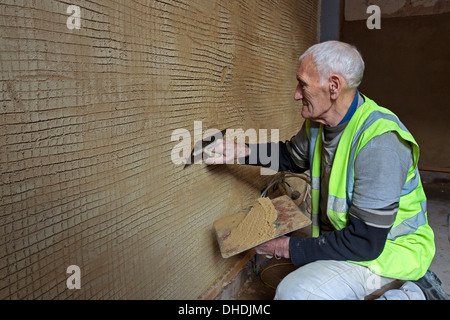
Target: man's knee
{"type": "Point", "coordinates": [288, 289]}
{"type": "Point", "coordinates": [327, 280]}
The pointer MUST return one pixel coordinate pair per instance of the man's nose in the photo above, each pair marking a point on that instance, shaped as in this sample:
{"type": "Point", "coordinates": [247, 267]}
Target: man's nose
{"type": "Point", "coordinates": [298, 95]}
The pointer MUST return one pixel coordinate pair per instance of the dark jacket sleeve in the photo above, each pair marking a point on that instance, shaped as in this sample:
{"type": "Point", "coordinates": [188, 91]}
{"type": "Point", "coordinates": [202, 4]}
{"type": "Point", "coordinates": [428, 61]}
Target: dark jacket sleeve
{"type": "Point", "coordinates": [284, 159]}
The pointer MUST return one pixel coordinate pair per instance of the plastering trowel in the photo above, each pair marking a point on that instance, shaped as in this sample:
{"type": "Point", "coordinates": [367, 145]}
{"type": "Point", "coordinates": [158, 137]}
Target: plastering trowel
{"type": "Point", "coordinates": [203, 146]}
{"type": "Point", "coordinates": [289, 219]}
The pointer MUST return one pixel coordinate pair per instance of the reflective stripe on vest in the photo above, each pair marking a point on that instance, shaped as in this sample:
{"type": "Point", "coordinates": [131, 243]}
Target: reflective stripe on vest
{"type": "Point", "coordinates": [409, 225]}
{"type": "Point", "coordinates": [315, 147]}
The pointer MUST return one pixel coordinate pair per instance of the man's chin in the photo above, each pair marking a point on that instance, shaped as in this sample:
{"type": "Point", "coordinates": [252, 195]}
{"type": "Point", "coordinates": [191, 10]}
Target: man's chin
{"type": "Point", "coordinates": [305, 113]}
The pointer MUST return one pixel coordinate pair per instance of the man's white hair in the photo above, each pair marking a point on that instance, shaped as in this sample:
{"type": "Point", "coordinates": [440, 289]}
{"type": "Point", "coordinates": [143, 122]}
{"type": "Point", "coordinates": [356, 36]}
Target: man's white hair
{"type": "Point", "coordinates": [337, 57]}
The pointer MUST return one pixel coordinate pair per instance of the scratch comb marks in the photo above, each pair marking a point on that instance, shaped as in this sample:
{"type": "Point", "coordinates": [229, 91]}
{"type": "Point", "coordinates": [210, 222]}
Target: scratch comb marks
{"type": "Point", "coordinates": [17, 102]}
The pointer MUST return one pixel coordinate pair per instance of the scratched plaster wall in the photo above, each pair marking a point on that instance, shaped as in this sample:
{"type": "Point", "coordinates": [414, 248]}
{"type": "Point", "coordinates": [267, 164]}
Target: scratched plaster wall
{"type": "Point", "coordinates": [86, 118]}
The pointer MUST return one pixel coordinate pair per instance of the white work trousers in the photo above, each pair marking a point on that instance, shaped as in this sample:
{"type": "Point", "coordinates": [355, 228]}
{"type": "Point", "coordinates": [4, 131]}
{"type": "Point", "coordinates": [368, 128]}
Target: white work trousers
{"type": "Point", "coordinates": [340, 280]}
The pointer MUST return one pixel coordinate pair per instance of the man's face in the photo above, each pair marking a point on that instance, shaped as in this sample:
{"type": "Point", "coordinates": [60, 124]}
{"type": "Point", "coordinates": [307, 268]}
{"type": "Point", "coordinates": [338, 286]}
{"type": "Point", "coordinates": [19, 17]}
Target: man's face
{"type": "Point", "coordinates": [314, 96]}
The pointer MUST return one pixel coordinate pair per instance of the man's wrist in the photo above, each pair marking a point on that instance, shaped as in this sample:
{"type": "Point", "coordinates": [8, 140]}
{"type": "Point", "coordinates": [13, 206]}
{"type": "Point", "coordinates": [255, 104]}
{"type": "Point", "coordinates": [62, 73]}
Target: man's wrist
{"type": "Point", "coordinates": [282, 247]}
{"type": "Point", "coordinates": [241, 150]}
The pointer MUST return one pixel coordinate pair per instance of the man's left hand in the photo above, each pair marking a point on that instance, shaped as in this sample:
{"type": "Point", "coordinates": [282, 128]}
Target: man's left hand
{"type": "Point", "coordinates": [278, 247]}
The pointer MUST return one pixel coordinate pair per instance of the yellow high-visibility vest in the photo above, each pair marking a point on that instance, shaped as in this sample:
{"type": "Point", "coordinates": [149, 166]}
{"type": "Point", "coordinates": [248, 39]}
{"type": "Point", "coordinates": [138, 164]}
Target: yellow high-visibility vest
{"type": "Point", "coordinates": [409, 247]}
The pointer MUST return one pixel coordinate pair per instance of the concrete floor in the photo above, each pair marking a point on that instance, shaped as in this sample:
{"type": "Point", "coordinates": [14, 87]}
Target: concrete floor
{"type": "Point", "coordinates": [437, 188]}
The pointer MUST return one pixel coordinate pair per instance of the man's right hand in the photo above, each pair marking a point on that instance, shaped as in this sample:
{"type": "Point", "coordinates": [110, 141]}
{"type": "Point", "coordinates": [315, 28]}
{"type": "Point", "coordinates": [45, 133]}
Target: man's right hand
{"type": "Point", "coordinates": [225, 152]}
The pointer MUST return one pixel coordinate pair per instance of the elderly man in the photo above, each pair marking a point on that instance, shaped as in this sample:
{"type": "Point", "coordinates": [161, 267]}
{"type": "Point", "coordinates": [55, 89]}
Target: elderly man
{"type": "Point", "coordinates": [368, 205]}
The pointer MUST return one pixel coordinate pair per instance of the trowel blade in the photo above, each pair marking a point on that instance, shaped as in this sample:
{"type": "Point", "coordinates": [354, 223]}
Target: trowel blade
{"type": "Point", "coordinates": [201, 145]}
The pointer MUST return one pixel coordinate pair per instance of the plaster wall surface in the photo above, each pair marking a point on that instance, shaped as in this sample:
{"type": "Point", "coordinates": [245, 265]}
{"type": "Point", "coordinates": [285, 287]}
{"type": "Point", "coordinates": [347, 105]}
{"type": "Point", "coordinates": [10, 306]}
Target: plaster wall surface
{"type": "Point", "coordinates": [86, 120]}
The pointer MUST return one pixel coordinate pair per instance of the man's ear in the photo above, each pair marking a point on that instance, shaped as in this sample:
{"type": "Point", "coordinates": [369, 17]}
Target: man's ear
{"type": "Point", "coordinates": [335, 85]}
